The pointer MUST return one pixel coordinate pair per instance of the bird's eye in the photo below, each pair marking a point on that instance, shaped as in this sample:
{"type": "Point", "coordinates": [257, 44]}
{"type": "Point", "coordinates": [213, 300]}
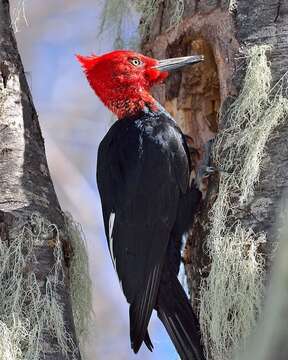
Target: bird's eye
{"type": "Point", "coordinates": [135, 62]}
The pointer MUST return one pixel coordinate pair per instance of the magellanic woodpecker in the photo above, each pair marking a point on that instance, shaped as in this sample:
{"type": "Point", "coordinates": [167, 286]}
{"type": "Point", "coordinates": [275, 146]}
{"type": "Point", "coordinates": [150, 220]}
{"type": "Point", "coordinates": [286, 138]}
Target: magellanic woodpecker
{"type": "Point", "coordinates": [148, 202]}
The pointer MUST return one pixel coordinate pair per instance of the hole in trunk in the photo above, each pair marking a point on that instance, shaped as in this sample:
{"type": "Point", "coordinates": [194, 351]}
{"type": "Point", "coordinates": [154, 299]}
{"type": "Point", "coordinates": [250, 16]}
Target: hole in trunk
{"type": "Point", "coordinates": [193, 94]}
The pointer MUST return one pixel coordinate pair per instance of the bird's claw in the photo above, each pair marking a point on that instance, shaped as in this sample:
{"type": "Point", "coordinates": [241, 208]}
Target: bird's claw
{"type": "Point", "coordinates": [206, 171]}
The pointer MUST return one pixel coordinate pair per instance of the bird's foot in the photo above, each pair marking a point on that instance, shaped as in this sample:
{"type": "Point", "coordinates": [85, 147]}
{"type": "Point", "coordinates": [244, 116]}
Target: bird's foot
{"type": "Point", "coordinates": [205, 169]}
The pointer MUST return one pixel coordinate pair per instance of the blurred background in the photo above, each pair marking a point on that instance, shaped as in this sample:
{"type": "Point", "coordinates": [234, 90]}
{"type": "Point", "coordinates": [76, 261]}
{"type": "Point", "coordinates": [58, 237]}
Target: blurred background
{"type": "Point", "coordinates": [73, 121]}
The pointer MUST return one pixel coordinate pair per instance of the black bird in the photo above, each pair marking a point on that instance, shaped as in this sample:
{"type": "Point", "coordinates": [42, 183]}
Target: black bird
{"type": "Point", "coordinates": [148, 201]}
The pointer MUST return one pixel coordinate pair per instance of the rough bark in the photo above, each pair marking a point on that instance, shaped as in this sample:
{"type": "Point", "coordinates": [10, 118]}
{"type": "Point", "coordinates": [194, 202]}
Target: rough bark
{"type": "Point", "coordinates": [219, 31]}
{"type": "Point", "coordinates": [25, 184]}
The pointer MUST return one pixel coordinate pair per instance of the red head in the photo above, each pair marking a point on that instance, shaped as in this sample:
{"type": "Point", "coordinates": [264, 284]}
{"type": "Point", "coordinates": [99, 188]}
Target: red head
{"type": "Point", "coordinates": [122, 79]}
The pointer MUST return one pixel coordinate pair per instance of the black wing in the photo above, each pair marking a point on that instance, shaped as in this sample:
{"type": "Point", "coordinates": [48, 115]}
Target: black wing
{"type": "Point", "coordinates": [141, 171]}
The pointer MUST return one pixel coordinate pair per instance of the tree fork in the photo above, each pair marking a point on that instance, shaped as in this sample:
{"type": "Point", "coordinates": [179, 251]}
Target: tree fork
{"type": "Point", "coordinates": [25, 182]}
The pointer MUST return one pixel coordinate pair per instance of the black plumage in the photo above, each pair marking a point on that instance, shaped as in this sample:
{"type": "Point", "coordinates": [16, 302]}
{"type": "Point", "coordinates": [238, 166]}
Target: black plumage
{"type": "Point", "coordinates": [143, 172]}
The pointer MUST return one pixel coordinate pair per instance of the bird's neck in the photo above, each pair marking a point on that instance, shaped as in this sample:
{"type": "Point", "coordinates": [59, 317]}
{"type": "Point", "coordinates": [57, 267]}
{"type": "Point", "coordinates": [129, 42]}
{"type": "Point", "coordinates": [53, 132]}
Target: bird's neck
{"type": "Point", "coordinates": [129, 102]}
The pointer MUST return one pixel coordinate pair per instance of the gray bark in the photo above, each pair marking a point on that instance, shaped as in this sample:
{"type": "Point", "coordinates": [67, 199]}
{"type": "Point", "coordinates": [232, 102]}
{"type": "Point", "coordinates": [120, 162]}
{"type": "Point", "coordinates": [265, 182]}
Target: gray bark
{"type": "Point", "coordinates": [25, 183]}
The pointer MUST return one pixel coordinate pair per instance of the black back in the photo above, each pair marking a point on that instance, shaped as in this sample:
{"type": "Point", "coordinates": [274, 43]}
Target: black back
{"type": "Point", "coordinates": [142, 174]}
{"type": "Point", "coordinates": [142, 168]}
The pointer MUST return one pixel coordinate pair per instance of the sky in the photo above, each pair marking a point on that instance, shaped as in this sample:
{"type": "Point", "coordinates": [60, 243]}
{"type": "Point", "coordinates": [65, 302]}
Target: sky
{"type": "Point", "coordinates": [49, 33]}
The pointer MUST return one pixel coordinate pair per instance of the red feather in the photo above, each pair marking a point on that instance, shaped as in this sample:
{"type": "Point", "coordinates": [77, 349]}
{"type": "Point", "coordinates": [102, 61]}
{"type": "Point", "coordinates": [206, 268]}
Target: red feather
{"type": "Point", "coordinates": [122, 86]}
{"type": "Point", "coordinates": [87, 62]}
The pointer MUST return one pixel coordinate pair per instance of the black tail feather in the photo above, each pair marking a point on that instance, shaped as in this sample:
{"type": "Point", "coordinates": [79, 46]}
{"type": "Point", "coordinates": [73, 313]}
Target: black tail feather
{"type": "Point", "coordinates": [175, 312]}
{"type": "Point", "coordinates": [141, 309]}
{"type": "Point", "coordinates": [148, 342]}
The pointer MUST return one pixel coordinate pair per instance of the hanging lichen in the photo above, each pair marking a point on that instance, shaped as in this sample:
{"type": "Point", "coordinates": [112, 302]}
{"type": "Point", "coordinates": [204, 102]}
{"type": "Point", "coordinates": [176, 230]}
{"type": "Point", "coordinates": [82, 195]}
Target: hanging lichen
{"type": "Point", "coordinates": [150, 8]}
{"type": "Point", "coordinates": [116, 18]}
{"type": "Point", "coordinates": [231, 296]}
{"type": "Point", "coordinates": [232, 5]}
{"type": "Point", "coordinates": [28, 315]}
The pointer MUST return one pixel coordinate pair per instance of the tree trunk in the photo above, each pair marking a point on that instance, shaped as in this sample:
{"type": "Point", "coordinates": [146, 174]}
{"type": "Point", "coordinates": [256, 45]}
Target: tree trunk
{"type": "Point", "coordinates": [237, 97]}
{"type": "Point", "coordinates": [35, 308]}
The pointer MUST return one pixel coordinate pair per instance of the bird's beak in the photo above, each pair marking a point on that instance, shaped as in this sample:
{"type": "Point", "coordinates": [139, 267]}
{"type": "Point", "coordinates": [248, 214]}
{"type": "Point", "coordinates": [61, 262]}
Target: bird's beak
{"type": "Point", "coordinates": [177, 63]}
